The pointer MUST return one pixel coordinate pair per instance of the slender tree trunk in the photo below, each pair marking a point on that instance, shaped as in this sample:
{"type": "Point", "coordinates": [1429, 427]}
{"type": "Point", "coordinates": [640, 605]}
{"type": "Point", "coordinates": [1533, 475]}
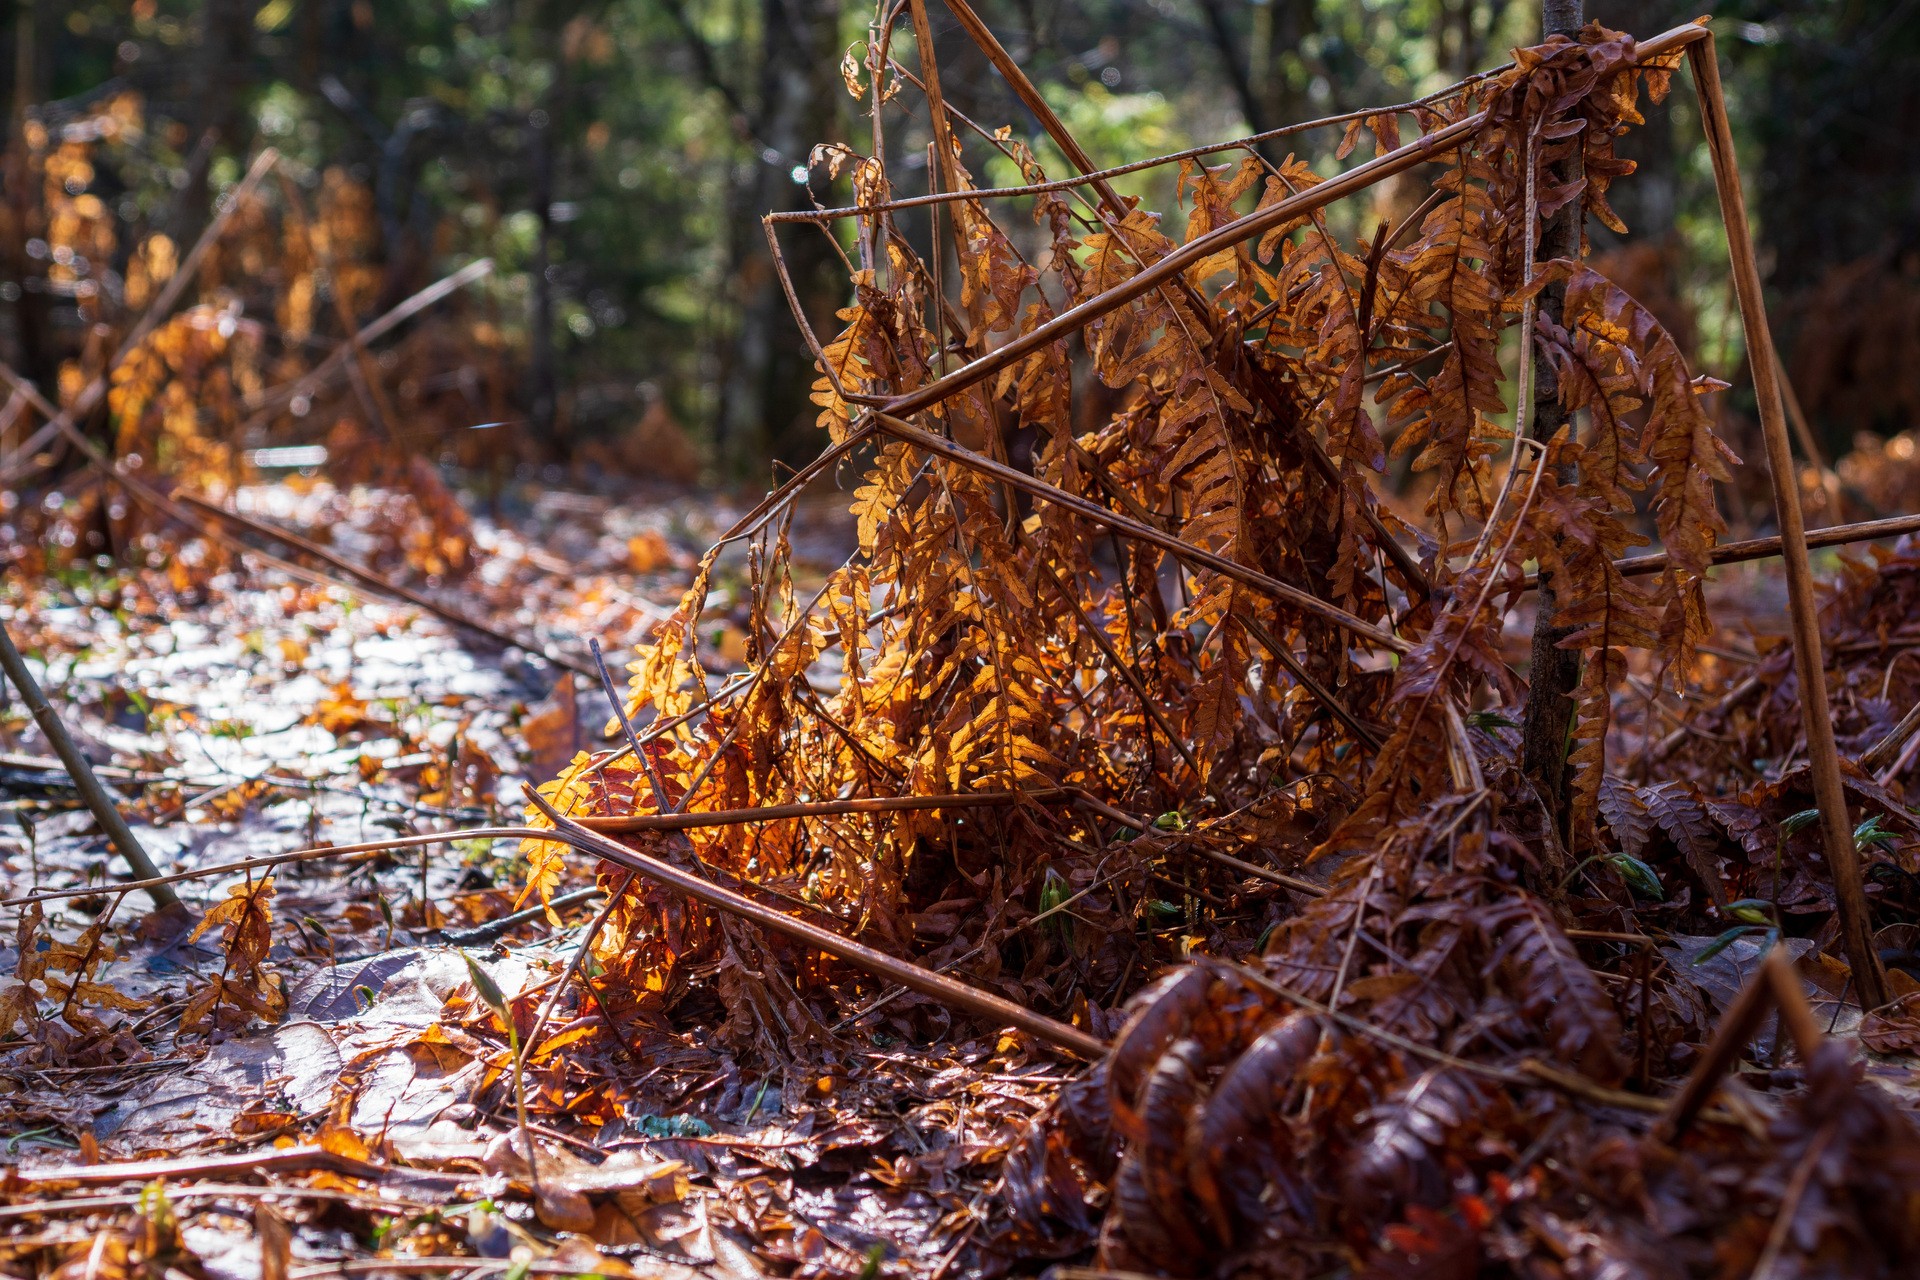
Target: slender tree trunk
{"type": "Point", "coordinates": [224, 69]}
{"type": "Point", "coordinates": [32, 305]}
{"type": "Point", "coordinates": [1262, 67]}
{"type": "Point", "coordinates": [1286, 77]}
{"type": "Point", "coordinates": [764, 404]}
{"type": "Point", "coordinates": [543, 381]}
{"type": "Point", "coordinates": [1554, 671]}
{"type": "Point", "coordinates": [1228, 44]}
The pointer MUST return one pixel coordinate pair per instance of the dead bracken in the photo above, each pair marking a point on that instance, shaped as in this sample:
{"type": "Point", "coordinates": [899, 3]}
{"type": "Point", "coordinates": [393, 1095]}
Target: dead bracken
{"type": "Point", "coordinates": [1138, 854]}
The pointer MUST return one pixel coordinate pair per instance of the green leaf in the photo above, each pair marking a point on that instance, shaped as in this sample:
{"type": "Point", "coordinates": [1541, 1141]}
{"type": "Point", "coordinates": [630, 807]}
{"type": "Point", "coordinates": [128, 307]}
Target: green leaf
{"type": "Point", "coordinates": [1054, 894]}
{"type": "Point", "coordinates": [1172, 820]}
{"type": "Point", "coordinates": [1752, 910]}
{"type": "Point", "coordinates": [1722, 942]}
{"type": "Point", "coordinates": [871, 1267]}
{"type": "Point", "coordinates": [1640, 877]}
{"type": "Point", "coordinates": [1489, 720]}
{"type": "Point", "coordinates": [676, 1126]}
{"type": "Point", "coordinates": [1053, 890]}
{"type": "Point", "coordinates": [1873, 832]}
{"type": "Point", "coordinates": [489, 989]}
{"type": "Point", "coordinates": [1795, 823]}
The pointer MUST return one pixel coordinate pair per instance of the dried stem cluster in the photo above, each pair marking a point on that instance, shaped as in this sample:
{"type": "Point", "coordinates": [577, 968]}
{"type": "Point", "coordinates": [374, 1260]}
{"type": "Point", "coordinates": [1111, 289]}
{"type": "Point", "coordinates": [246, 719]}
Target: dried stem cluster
{"type": "Point", "coordinates": [1121, 538]}
{"type": "Point", "coordinates": [1175, 581]}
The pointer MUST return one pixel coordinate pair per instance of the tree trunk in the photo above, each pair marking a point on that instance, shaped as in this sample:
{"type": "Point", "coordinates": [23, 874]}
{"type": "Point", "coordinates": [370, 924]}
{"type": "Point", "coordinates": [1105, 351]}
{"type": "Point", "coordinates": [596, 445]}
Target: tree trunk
{"type": "Point", "coordinates": [224, 69]}
{"type": "Point", "coordinates": [1268, 80]}
{"type": "Point", "coordinates": [1554, 671]}
{"type": "Point", "coordinates": [33, 352]}
{"type": "Point", "coordinates": [768, 376]}
{"type": "Point", "coordinates": [543, 382]}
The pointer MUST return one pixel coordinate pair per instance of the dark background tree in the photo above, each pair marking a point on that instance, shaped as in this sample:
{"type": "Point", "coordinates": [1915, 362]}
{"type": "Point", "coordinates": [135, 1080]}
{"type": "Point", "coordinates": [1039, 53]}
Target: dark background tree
{"type": "Point", "coordinates": [613, 157]}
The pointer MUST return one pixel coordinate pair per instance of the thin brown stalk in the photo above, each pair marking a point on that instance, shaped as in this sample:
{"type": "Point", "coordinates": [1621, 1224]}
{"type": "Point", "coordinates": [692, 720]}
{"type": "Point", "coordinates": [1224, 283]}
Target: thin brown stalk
{"type": "Point", "coordinates": [1087, 800]}
{"type": "Point", "coordinates": [1247, 143]}
{"type": "Point", "coordinates": [1115, 211]}
{"type": "Point", "coordinates": [101, 804]}
{"type": "Point", "coordinates": [1762, 548]}
{"type": "Point", "coordinates": [1790, 1199]}
{"type": "Point", "coordinates": [1123, 669]}
{"type": "Point", "coordinates": [572, 832]}
{"type": "Point", "coordinates": [1843, 863]}
{"type": "Point", "coordinates": [1764, 992]}
{"type": "Point", "coordinates": [936, 101]}
{"type": "Point", "coordinates": [631, 824]}
{"type": "Point", "coordinates": [363, 372]}
{"type": "Point", "coordinates": [1031, 98]}
{"type": "Point", "coordinates": [1131, 528]}
{"type": "Point", "coordinates": [955, 994]}
{"type": "Point", "coordinates": [1882, 753]}
{"type": "Point", "coordinates": [307, 1159]}
{"type": "Point", "coordinates": [273, 860]}
{"type": "Point", "coordinates": [183, 275]}
{"type": "Point", "coordinates": [1796, 1015]}
{"type": "Point", "coordinates": [1325, 696]}
{"type": "Point", "coordinates": [1241, 867]}
{"type": "Point", "coordinates": [266, 401]}
{"type": "Point", "coordinates": [374, 581]}
{"type": "Point", "coordinates": [64, 420]}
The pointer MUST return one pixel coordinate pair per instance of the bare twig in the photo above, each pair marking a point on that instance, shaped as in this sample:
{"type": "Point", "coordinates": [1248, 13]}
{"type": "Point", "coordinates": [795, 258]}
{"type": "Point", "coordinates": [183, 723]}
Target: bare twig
{"type": "Point", "coordinates": [628, 824]}
{"type": "Point", "coordinates": [486, 932]}
{"type": "Point", "coordinates": [1796, 1190]}
{"type": "Point", "coordinates": [1247, 143]}
{"type": "Point", "coordinates": [1325, 696]}
{"type": "Point", "coordinates": [1773, 985]}
{"type": "Point", "coordinates": [1882, 752]}
{"type": "Point", "coordinates": [633, 739]}
{"type": "Point", "coordinates": [63, 421]}
{"type": "Point", "coordinates": [183, 275]}
{"type": "Point", "coordinates": [104, 811]}
{"type": "Point", "coordinates": [1087, 800]}
{"type": "Point", "coordinates": [288, 1160]}
{"type": "Point", "coordinates": [1031, 98]}
{"type": "Point", "coordinates": [1168, 269]}
{"type": "Point", "coordinates": [1114, 210]}
{"type": "Point", "coordinates": [605, 826]}
{"type": "Point", "coordinates": [373, 331]}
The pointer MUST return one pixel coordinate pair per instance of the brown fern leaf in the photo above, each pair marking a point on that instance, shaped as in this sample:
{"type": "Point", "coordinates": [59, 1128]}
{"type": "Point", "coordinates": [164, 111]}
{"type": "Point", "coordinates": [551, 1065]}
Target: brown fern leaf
{"type": "Point", "coordinates": [1607, 613]}
{"type": "Point", "coordinates": [1682, 813]}
{"type": "Point", "coordinates": [1556, 991]}
{"type": "Point", "coordinates": [1450, 427]}
{"type": "Point", "coordinates": [1626, 815]}
{"type": "Point", "coordinates": [1687, 458]}
{"type": "Point", "coordinates": [1402, 1157]}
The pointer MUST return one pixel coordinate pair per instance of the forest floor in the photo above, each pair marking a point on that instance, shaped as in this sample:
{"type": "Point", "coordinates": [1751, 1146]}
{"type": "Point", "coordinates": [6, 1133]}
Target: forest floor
{"type": "Point", "coordinates": [366, 1124]}
{"type": "Point", "coordinates": [256, 713]}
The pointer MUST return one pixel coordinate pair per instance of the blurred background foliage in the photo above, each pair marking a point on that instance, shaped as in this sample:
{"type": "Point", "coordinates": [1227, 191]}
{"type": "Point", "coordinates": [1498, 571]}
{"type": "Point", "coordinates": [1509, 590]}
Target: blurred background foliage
{"type": "Point", "coordinates": [613, 156]}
